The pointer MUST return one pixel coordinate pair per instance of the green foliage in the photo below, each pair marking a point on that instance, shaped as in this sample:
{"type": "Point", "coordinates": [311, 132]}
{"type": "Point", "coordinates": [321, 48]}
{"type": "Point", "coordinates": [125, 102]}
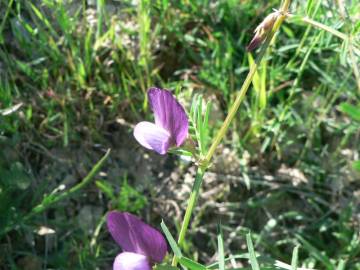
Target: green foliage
{"type": "Point", "coordinates": [352, 111]}
{"type": "Point", "coordinates": [127, 199]}
{"type": "Point", "coordinates": [130, 199]}
{"type": "Point", "coordinates": [253, 260]}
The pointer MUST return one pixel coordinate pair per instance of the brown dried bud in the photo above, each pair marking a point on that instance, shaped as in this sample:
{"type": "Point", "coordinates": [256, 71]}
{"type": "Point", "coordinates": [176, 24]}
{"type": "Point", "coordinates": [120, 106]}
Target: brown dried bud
{"type": "Point", "coordinates": [262, 29]}
{"type": "Point", "coordinates": [268, 23]}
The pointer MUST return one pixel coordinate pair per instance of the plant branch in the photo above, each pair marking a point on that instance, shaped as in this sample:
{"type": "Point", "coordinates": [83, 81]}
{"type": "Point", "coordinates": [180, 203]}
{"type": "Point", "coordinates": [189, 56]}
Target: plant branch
{"type": "Point", "coordinates": [241, 94]}
{"type": "Point", "coordinates": [221, 133]}
{"type": "Point", "coordinates": [54, 198]}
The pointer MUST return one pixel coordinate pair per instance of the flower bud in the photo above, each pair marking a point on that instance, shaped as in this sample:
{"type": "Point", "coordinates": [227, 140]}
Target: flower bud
{"type": "Point", "coordinates": [262, 30]}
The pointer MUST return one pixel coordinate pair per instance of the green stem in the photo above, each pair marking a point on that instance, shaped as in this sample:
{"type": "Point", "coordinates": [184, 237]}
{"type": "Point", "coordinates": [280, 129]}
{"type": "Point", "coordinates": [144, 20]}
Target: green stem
{"type": "Point", "coordinates": [2, 25]}
{"type": "Point", "coordinates": [191, 204]}
{"type": "Point", "coordinates": [221, 133]}
{"type": "Point", "coordinates": [54, 198]}
{"type": "Point", "coordinates": [241, 94]}
{"type": "Point", "coordinates": [325, 27]}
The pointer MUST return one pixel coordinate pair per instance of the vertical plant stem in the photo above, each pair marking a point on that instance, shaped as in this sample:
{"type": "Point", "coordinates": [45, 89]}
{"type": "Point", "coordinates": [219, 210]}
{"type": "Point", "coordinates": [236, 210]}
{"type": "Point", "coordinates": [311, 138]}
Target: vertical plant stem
{"type": "Point", "coordinates": [221, 133]}
{"type": "Point", "coordinates": [2, 25]}
{"type": "Point", "coordinates": [100, 5]}
{"type": "Point", "coordinates": [191, 204]}
{"type": "Point", "coordinates": [241, 94]}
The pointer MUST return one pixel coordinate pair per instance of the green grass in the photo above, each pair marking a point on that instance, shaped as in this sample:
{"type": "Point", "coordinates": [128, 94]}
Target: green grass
{"type": "Point", "coordinates": [78, 68]}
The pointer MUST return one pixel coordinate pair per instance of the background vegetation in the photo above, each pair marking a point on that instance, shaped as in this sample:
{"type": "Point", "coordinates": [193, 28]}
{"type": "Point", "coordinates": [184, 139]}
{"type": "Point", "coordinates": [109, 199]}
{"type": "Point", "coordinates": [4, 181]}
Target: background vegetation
{"type": "Point", "coordinates": [73, 81]}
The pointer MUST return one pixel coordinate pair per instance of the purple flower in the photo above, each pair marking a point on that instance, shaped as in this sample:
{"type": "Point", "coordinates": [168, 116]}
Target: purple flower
{"type": "Point", "coordinates": [171, 123]}
{"type": "Point", "coordinates": [142, 245]}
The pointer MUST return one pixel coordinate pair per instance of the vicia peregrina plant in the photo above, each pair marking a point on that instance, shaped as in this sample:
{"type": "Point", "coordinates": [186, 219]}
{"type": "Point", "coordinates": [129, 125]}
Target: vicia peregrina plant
{"type": "Point", "coordinates": [171, 129]}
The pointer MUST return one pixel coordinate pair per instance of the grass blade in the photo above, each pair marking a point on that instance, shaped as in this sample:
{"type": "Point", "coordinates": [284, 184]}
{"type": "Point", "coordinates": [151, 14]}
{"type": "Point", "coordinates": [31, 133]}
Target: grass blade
{"type": "Point", "coordinates": [192, 265]}
{"type": "Point", "coordinates": [221, 248]}
{"type": "Point", "coordinates": [171, 240]}
{"type": "Point", "coordinates": [315, 252]}
{"type": "Point", "coordinates": [294, 259]}
{"type": "Point", "coordinates": [341, 265]}
{"type": "Point", "coordinates": [253, 261]}
{"type": "Point", "coordinates": [54, 198]}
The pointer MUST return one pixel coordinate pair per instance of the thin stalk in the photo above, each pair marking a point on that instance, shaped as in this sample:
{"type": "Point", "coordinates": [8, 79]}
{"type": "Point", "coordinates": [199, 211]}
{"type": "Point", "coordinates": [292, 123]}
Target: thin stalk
{"type": "Point", "coordinates": [54, 198]}
{"type": "Point", "coordinates": [2, 25]}
{"type": "Point", "coordinates": [100, 13]}
{"type": "Point", "coordinates": [191, 204]}
{"type": "Point", "coordinates": [241, 94]}
{"type": "Point", "coordinates": [344, 37]}
{"type": "Point", "coordinates": [325, 27]}
{"type": "Point", "coordinates": [221, 133]}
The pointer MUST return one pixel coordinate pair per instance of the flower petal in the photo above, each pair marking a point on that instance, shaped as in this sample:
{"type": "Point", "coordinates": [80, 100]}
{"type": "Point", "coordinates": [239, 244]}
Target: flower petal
{"type": "Point", "coordinates": [133, 235]}
{"type": "Point", "coordinates": [169, 114]}
{"type": "Point", "coordinates": [152, 137]}
{"type": "Point", "coordinates": [131, 261]}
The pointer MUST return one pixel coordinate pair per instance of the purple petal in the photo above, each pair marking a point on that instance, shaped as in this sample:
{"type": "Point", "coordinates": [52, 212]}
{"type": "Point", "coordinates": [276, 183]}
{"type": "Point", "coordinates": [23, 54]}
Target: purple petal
{"type": "Point", "coordinates": [133, 235]}
{"type": "Point", "coordinates": [152, 137]}
{"type": "Point", "coordinates": [131, 261]}
{"type": "Point", "coordinates": [169, 114]}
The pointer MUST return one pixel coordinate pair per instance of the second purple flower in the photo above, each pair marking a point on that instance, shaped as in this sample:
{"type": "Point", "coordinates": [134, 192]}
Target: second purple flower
{"type": "Point", "coordinates": [142, 245]}
{"type": "Point", "coordinates": [171, 123]}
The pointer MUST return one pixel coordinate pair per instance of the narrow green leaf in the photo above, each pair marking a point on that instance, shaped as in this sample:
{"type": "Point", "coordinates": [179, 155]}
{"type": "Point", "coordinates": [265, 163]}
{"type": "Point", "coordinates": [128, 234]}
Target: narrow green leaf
{"type": "Point", "coordinates": [294, 259]}
{"type": "Point", "coordinates": [341, 265]}
{"type": "Point", "coordinates": [253, 261]}
{"type": "Point", "coordinates": [165, 267]}
{"type": "Point", "coordinates": [356, 165]}
{"type": "Point", "coordinates": [351, 110]}
{"type": "Point", "coordinates": [232, 257]}
{"type": "Point", "coordinates": [220, 241]}
{"type": "Point", "coordinates": [171, 240]}
{"type": "Point", "coordinates": [309, 6]}
{"type": "Point", "coordinates": [314, 252]}
{"type": "Point", "coordinates": [100, 5]}
{"type": "Point", "coordinates": [4, 19]}
{"type": "Point", "coordinates": [262, 94]}
{"type": "Point", "coordinates": [192, 265]}
{"type": "Point", "coordinates": [256, 79]}
{"type": "Point", "coordinates": [65, 130]}
{"type": "Point", "coordinates": [42, 18]}
{"type": "Point", "coordinates": [106, 188]}
{"type": "Point", "coordinates": [199, 124]}
{"type": "Point", "coordinates": [206, 126]}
